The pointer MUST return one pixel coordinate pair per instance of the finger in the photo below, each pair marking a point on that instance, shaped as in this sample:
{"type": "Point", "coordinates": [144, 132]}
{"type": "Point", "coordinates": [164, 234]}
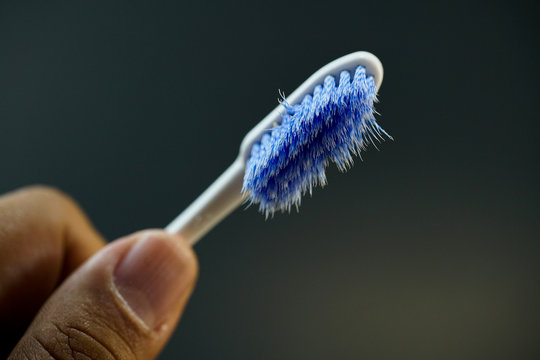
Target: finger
{"type": "Point", "coordinates": [121, 304]}
{"type": "Point", "coordinates": [43, 236]}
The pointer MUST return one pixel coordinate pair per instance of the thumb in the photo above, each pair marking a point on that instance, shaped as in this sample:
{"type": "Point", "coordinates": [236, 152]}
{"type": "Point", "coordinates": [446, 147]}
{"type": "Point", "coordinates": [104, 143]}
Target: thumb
{"type": "Point", "coordinates": [123, 303]}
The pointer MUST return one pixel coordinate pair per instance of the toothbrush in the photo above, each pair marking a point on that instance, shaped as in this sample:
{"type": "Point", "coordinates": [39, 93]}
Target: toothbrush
{"type": "Point", "coordinates": [328, 118]}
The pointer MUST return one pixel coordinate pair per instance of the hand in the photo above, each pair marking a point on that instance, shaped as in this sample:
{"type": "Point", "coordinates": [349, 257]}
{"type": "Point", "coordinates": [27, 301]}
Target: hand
{"type": "Point", "coordinates": [64, 294]}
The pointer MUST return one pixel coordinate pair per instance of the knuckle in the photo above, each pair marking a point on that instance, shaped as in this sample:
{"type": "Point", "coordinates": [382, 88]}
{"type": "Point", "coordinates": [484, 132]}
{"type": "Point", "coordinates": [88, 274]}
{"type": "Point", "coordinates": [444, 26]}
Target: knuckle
{"type": "Point", "coordinates": [68, 342]}
{"type": "Point", "coordinates": [80, 341]}
{"type": "Point", "coordinates": [51, 199]}
{"type": "Point", "coordinates": [47, 192]}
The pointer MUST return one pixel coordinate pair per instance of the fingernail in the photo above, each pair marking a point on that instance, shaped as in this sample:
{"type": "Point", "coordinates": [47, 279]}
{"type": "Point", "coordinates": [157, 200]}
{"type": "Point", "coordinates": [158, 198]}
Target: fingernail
{"type": "Point", "coordinates": [153, 277]}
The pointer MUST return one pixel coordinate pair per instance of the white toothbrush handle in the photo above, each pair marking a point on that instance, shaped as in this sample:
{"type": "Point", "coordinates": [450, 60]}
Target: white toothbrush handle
{"type": "Point", "coordinates": [218, 201]}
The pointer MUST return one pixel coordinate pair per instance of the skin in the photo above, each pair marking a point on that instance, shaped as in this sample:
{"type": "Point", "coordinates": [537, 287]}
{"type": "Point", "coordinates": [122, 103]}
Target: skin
{"type": "Point", "coordinates": [65, 294]}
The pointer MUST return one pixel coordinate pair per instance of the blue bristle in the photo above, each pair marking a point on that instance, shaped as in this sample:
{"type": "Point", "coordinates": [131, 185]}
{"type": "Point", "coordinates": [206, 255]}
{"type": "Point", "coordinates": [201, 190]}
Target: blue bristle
{"type": "Point", "coordinates": [333, 124]}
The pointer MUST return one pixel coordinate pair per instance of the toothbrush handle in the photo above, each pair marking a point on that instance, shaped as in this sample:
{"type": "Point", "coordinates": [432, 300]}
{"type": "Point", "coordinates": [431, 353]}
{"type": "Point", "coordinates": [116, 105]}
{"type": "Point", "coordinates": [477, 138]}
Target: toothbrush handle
{"type": "Point", "coordinates": [215, 203]}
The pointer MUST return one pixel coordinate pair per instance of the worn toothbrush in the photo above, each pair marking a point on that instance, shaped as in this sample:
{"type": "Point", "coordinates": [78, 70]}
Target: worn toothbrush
{"type": "Point", "coordinates": [329, 118]}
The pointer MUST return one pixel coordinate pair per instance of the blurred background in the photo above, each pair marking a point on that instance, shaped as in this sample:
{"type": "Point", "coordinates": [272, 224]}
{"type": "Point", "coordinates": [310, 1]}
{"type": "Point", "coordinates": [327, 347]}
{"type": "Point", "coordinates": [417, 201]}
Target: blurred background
{"type": "Point", "coordinates": [428, 249]}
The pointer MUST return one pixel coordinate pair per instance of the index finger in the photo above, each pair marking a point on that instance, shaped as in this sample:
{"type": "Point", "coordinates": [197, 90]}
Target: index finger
{"type": "Point", "coordinates": [44, 236]}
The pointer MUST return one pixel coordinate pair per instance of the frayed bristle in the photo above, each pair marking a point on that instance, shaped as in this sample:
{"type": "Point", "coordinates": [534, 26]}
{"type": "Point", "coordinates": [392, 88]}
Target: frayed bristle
{"type": "Point", "coordinates": [331, 125]}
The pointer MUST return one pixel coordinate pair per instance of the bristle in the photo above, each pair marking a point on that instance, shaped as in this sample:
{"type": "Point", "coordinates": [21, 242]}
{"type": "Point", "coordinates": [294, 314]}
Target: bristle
{"type": "Point", "coordinates": [331, 125]}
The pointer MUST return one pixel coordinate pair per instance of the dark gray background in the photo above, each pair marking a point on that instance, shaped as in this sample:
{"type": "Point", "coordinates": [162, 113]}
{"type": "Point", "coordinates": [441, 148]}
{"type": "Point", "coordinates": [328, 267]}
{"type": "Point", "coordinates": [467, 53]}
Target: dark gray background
{"type": "Point", "coordinates": [428, 249]}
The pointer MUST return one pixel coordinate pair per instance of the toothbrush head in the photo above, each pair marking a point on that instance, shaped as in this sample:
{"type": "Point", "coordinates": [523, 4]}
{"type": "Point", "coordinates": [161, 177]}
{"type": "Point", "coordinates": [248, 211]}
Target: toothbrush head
{"type": "Point", "coordinates": [330, 123]}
